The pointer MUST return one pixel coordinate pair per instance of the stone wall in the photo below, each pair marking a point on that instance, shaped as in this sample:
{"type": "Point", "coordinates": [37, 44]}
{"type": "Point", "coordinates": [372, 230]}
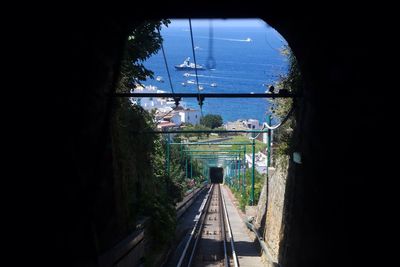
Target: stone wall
{"type": "Point", "coordinates": [276, 196]}
{"type": "Point", "coordinates": [270, 211]}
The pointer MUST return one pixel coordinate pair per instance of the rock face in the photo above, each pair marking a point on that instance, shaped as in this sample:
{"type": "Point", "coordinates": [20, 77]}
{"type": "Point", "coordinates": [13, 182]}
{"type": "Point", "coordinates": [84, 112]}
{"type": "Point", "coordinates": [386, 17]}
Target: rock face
{"type": "Point", "coordinates": [270, 212]}
{"type": "Point", "coordinates": [276, 198]}
{"type": "Point", "coordinates": [337, 109]}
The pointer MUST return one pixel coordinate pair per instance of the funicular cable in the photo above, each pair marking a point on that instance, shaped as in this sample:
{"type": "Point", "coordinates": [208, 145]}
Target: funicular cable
{"type": "Point", "coordinates": [176, 99]}
{"type": "Point", "coordinates": [200, 99]}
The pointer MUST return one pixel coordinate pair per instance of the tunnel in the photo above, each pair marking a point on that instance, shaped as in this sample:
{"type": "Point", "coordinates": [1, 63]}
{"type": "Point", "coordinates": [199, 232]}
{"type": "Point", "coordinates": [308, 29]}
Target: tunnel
{"type": "Point", "coordinates": [216, 175]}
{"type": "Point", "coordinates": [82, 199]}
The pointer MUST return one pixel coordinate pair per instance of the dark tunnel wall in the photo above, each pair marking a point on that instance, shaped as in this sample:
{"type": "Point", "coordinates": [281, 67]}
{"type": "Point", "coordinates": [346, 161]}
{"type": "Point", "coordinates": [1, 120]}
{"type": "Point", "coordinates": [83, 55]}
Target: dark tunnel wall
{"type": "Point", "coordinates": [334, 56]}
{"type": "Point", "coordinates": [216, 175]}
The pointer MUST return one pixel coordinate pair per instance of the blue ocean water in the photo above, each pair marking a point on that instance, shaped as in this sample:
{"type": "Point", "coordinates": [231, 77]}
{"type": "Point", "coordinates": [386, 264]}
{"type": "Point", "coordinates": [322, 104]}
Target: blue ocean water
{"type": "Point", "coordinates": [241, 66]}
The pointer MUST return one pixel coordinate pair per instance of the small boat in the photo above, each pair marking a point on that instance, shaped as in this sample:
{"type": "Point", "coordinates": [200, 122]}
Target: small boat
{"type": "Point", "coordinates": [213, 85]}
{"type": "Point", "coordinates": [188, 66]}
{"type": "Point", "coordinates": [186, 74]}
{"type": "Point", "coordinates": [191, 82]}
{"type": "Point", "coordinates": [183, 84]}
{"type": "Point", "coordinates": [160, 79]}
{"type": "Point", "coordinates": [201, 87]}
{"type": "Point", "coordinates": [248, 40]}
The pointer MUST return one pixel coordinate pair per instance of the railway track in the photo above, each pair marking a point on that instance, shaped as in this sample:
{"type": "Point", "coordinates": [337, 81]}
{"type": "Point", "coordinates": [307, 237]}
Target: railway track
{"type": "Point", "coordinates": [211, 242]}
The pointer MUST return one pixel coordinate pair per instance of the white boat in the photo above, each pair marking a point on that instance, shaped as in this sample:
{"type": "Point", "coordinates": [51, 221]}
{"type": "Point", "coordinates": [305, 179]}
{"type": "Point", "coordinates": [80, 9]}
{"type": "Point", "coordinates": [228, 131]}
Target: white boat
{"type": "Point", "coordinates": [190, 82]}
{"type": "Point", "coordinates": [186, 65]}
{"type": "Point", "coordinates": [201, 87]}
{"type": "Point", "coordinates": [183, 84]}
{"type": "Point", "coordinates": [213, 85]}
{"type": "Point", "coordinates": [160, 79]}
{"type": "Point", "coordinates": [186, 74]}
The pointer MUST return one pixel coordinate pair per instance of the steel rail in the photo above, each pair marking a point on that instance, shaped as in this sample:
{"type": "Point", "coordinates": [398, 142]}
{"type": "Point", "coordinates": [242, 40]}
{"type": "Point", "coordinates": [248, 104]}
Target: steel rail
{"type": "Point", "coordinates": [204, 207]}
{"type": "Point", "coordinates": [199, 231]}
{"type": "Point", "coordinates": [223, 222]}
{"type": "Point", "coordinates": [234, 256]}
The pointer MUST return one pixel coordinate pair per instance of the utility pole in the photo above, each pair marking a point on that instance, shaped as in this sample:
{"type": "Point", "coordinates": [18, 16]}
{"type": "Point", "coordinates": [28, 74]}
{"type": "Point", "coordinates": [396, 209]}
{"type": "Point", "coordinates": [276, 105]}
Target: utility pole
{"type": "Point", "coordinates": [168, 163]}
{"type": "Point", "coordinates": [269, 144]}
{"type": "Point", "coordinates": [252, 172]}
{"type": "Point", "coordinates": [244, 173]}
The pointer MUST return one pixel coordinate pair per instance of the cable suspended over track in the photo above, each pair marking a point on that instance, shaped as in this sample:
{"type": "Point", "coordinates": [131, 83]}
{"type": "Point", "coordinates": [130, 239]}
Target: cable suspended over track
{"type": "Point", "coordinates": [166, 64]}
{"type": "Point", "coordinates": [195, 68]}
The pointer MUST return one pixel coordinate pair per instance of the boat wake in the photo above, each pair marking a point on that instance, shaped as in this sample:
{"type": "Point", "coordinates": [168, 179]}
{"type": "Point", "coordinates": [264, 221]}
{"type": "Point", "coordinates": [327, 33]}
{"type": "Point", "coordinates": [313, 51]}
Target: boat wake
{"type": "Point", "coordinates": [234, 40]}
{"type": "Point", "coordinates": [227, 39]}
{"type": "Point", "coordinates": [200, 75]}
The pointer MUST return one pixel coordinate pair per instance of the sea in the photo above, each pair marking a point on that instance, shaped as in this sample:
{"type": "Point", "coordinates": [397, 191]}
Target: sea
{"type": "Point", "coordinates": [247, 59]}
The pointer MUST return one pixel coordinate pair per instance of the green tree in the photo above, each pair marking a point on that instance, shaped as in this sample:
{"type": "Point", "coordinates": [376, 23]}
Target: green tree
{"type": "Point", "coordinates": [196, 128]}
{"type": "Point", "coordinates": [292, 83]}
{"type": "Point", "coordinates": [144, 191]}
{"type": "Point", "coordinates": [211, 121]}
{"type": "Point", "coordinates": [143, 42]}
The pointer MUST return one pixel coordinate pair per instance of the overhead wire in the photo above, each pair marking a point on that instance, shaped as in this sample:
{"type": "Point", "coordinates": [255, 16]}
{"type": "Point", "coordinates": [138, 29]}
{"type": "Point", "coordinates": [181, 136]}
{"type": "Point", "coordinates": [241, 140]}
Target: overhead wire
{"type": "Point", "coordinates": [169, 78]}
{"type": "Point", "coordinates": [195, 68]}
{"type": "Point", "coordinates": [166, 64]}
{"type": "Point", "coordinates": [265, 125]}
{"type": "Point", "coordinates": [211, 64]}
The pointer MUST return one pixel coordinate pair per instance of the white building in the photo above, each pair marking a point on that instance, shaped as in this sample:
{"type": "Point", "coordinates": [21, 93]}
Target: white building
{"type": "Point", "coordinates": [189, 116]}
{"type": "Point", "coordinates": [166, 125]}
{"type": "Point", "coordinates": [265, 137]}
{"type": "Point", "coordinates": [149, 103]}
{"type": "Point", "coordinates": [261, 162]}
{"type": "Point", "coordinates": [174, 117]}
{"type": "Point", "coordinates": [251, 124]}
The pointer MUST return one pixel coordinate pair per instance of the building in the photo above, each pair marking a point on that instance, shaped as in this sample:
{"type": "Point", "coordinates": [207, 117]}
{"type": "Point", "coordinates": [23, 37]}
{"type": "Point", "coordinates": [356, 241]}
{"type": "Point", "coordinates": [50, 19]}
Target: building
{"type": "Point", "coordinates": [251, 124]}
{"type": "Point", "coordinates": [149, 103]}
{"type": "Point", "coordinates": [190, 116]}
{"type": "Point", "coordinates": [265, 136]}
{"type": "Point", "coordinates": [166, 125]}
{"type": "Point", "coordinates": [173, 117]}
{"type": "Point", "coordinates": [236, 125]}
{"type": "Point", "coordinates": [261, 162]}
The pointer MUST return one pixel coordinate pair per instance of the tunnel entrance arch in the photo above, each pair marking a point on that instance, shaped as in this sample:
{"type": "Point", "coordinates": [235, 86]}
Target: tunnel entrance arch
{"type": "Point", "coordinates": [309, 50]}
{"type": "Point", "coordinates": [235, 172]}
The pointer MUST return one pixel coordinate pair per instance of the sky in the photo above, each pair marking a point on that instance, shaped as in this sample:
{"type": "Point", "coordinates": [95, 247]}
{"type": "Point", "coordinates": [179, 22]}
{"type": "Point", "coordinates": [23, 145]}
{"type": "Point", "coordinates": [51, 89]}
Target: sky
{"type": "Point", "coordinates": [219, 23]}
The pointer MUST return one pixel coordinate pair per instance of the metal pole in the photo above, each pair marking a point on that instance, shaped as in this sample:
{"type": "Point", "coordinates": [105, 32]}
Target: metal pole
{"type": "Point", "coordinates": [268, 145]}
{"type": "Point", "coordinates": [191, 168]}
{"type": "Point", "coordinates": [252, 174]}
{"type": "Point", "coordinates": [208, 173]}
{"type": "Point", "coordinates": [214, 143]}
{"type": "Point", "coordinates": [238, 172]}
{"type": "Point", "coordinates": [186, 168]}
{"type": "Point", "coordinates": [229, 173]}
{"type": "Point", "coordinates": [207, 95]}
{"type": "Point", "coordinates": [244, 173]}
{"type": "Point", "coordinates": [198, 131]}
{"type": "Point", "coordinates": [168, 141]}
{"type": "Point", "coordinates": [213, 151]}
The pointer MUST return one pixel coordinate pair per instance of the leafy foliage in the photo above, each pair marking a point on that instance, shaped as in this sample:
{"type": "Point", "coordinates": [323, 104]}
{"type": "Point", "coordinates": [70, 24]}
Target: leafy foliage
{"type": "Point", "coordinates": [143, 42]}
{"type": "Point", "coordinates": [291, 82]}
{"type": "Point", "coordinates": [198, 127]}
{"type": "Point", "coordinates": [211, 121]}
{"type": "Point", "coordinates": [145, 191]}
{"type": "Point", "coordinates": [244, 199]}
